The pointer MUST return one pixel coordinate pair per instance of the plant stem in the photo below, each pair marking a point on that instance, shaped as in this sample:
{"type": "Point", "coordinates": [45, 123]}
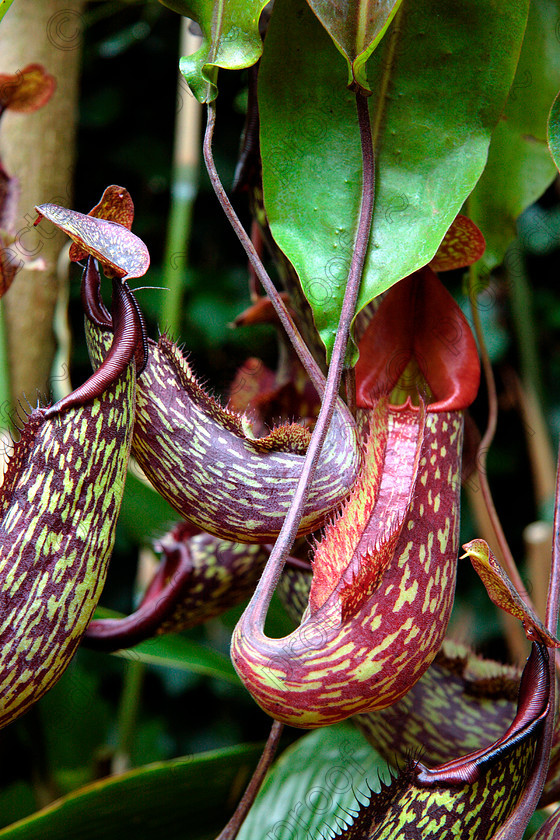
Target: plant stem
{"type": "Point", "coordinates": [256, 239]}
{"type": "Point", "coordinates": [539, 448]}
{"type": "Point", "coordinates": [350, 389]}
{"type": "Point", "coordinates": [312, 368]}
{"type": "Point", "coordinates": [255, 614]}
{"type": "Point", "coordinates": [184, 185]}
{"type": "Point", "coordinates": [231, 830]}
{"type": "Point", "coordinates": [128, 714]}
{"type": "Point", "coordinates": [45, 788]}
{"type": "Point", "coordinates": [553, 602]}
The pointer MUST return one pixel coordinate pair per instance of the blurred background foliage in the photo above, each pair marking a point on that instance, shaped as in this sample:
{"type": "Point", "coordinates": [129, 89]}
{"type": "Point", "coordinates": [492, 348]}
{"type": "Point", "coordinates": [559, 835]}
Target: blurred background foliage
{"type": "Point", "coordinates": [106, 712]}
{"type": "Point", "coordinates": [128, 107]}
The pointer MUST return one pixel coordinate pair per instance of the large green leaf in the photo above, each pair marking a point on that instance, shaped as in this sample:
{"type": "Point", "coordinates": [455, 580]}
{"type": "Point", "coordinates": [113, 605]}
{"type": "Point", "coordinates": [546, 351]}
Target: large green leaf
{"type": "Point", "coordinates": [356, 27]}
{"type": "Point", "coordinates": [440, 79]}
{"type": "Point", "coordinates": [231, 39]}
{"type": "Point", "coordinates": [554, 131]}
{"type": "Point", "coordinates": [519, 166]}
{"type": "Point", "coordinates": [177, 651]}
{"type": "Point", "coordinates": [16, 799]}
{"type": "Point", "coordinates": [189, 797]}
{"type": "Point", "coordinates": [313, 784]}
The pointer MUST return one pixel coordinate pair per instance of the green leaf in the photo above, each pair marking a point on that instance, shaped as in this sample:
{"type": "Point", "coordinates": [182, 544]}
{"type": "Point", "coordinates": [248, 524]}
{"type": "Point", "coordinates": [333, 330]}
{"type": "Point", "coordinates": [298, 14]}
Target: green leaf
{"type": "Point", "coordinates": [313, 783]}
{"type": "Point", "coordinates": [4, 6]}
{"type": "Point", "coordinates": [187, 797]}
{"type": "Point", "coordinates": [519, 166]}
{"type": "Point", "coordinates": [440, 79]}
{"type": "Point", "coordinates": [356, 27]}
{"type": "Point", "coordinates": [176, 651]}
{"type": "Point", "coordinates": [16, 799]}
{"type": "Point", "coordinates": [231, 40]}
{"type": "Point", "coordinates": [553, 131]}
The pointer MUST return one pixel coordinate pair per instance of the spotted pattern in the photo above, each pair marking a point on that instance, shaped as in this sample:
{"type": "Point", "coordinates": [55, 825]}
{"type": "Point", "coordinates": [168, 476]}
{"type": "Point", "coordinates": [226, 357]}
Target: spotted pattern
{"type": "Point", "coordinates": [59, 505]}
{"type": "Point", "coordinates": [472, 796]}
{"type": "Point", "coordinates": [199, 578]}
{"type": "Point", "coordinates": [334, 666]}
{"type": "Point", "coordinates": [405, 810]}
{"type": "Point", "coordinates": [293, 590]}
{"type": "Point", "coordinates": [223, 574]}
{"type": "Point", "coordinates": [461, 704]}
{"type": "Point", "coordinates": [115, 246]}
{"type": "Point", "coordinates": [201, 458]}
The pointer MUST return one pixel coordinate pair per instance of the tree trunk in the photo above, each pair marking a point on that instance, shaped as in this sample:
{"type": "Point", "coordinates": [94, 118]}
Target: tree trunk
{"type": "Point", "coordinates": [38, 149]}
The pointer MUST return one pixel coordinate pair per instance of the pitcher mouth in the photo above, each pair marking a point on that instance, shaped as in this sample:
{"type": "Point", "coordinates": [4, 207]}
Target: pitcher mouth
{"type": "Point", "coordinates": [418, 348]}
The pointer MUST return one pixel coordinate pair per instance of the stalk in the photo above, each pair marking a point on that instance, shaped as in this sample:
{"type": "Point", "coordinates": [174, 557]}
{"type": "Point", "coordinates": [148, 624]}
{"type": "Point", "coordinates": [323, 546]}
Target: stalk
{"type": "Point", "coordinates": [531, 393]}
{"type": "Point", "coordinates": [517, 643]}
{"type": "Point", "coordinates": [128, 714]}
{"type": "Point", "coordinates": [312, 368]}
{"type": "Point", "coordinates": [524, 325]}
{"type": "Point", "coordinates": [254, 617]}
{"type": "Point", "coordinates": [537, 538]}
{"type": "Point", "coordinates": [231, 830]}
{"type": "Point", "coordinates": [40, 152]}
{"type": "Point", "coordinates": [539, 447]}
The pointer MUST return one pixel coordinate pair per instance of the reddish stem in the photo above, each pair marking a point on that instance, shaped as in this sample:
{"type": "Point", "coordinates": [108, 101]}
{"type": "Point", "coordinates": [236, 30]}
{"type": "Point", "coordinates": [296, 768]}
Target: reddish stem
{"type": "Point", "coordinates": [231, 830]}
{"type": "Point", "coordinates": [254, 617]}
{"type": "Point", "coordinates": [350, 389]}
{"type": "Point", "coordinates": [256, 239]}
{"type": "Point", "coordinates": [312, 368]}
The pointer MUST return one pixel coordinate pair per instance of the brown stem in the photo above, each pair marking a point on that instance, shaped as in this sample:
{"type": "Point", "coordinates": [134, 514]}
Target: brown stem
{"type": "Point", "coordinates": [312, 368]}
{"type": "Point", "coordinates": [254, 617]}
{"type": "Point", "coordinates": [232, 828]}
{"type": "Point", "coordinates": [350, 388]}
{"type": "Point", "coordinates": [256, 239]}
{"type": "Point", "coordinates": [539, 447]}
